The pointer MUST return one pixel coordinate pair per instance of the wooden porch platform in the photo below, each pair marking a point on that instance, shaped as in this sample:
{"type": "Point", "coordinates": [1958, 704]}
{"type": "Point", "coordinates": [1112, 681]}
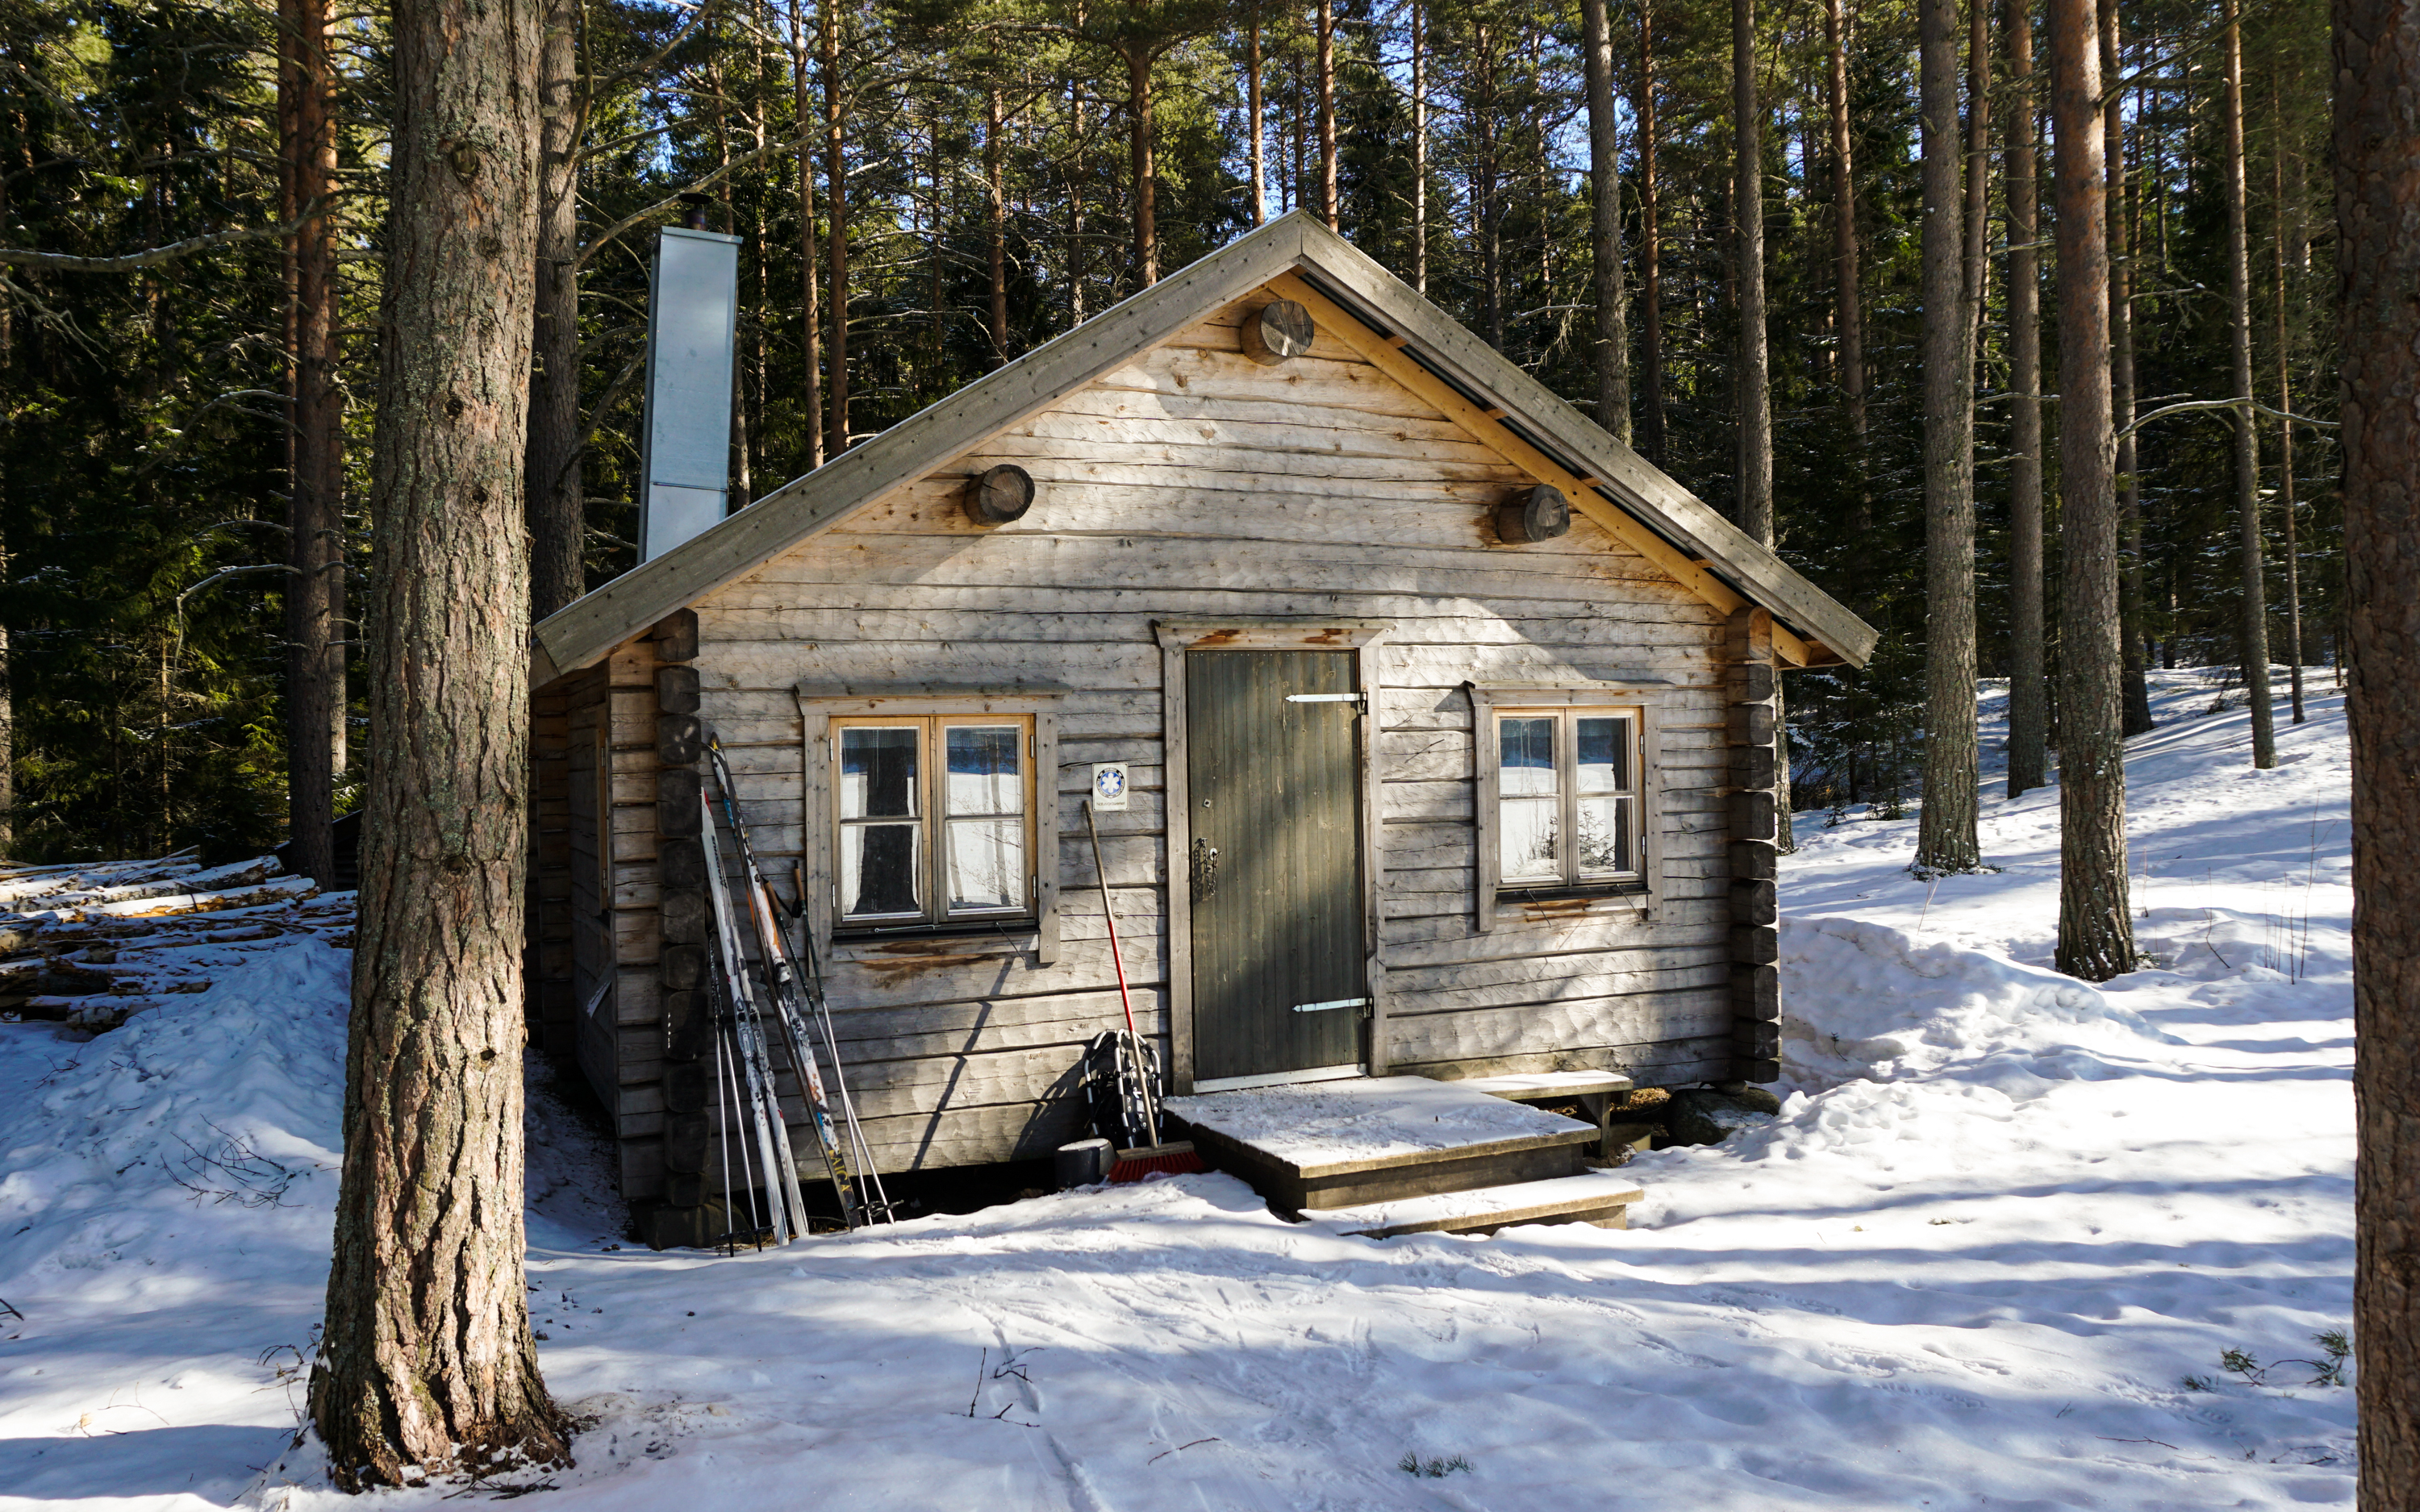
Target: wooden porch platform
{"type": "Point", "coordinates": [1313, 1146]}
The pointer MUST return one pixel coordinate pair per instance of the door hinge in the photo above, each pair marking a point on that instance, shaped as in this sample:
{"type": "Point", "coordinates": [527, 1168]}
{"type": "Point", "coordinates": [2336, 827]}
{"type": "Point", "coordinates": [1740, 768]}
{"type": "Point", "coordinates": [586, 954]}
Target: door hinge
{"type": "Point", "coordinates": [1328, 698]}
{"type": "Point", "coordinates": [1331, 1003]}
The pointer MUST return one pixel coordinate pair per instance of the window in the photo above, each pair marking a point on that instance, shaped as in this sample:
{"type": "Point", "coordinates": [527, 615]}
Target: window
{"type": "Point", "coordinates": [1567, 798]}
{"type": "Point", "coordinates": [933, 820]}
{"type": "Point", "coordinates": [1570, 794]}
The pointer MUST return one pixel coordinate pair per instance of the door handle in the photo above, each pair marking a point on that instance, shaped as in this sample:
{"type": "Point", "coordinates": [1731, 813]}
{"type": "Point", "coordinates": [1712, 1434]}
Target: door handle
{"type": "Point", "coordinates": [1205, 868]}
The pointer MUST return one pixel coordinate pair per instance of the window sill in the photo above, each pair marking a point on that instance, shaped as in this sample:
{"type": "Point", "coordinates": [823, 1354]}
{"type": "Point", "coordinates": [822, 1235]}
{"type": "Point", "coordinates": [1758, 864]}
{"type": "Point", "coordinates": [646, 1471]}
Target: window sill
{"type": "Point", "coordinates": [971, 939]}
{"type": "Point", "coordinates": [1633, 888]}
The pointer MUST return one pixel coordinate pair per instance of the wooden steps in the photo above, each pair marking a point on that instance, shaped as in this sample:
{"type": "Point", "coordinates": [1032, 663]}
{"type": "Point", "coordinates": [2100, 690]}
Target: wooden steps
{"type": "Point", "coordinates": [1597, 1198]}
{"type": "Point", "coordinates": [1368, 1146]}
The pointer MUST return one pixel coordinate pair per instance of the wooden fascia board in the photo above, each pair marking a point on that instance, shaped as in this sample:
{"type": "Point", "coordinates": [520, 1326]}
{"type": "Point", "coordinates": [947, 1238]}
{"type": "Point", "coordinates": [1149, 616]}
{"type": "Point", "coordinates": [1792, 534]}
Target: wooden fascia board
{"type": "Point", "coordinates": [1638, 486]}
{"type": "Point", "coordinates": [590, 628]}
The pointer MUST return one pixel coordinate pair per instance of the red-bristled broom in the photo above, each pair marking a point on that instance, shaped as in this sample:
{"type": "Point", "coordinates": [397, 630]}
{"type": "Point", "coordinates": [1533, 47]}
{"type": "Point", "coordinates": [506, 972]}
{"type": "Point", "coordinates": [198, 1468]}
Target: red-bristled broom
{"type": "Point", "coordinates": [1177, 1158]}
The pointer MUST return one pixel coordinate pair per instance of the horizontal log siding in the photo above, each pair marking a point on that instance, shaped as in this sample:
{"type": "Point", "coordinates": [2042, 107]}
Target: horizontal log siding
{"type": "Point", "coordinates": [1195, 483]}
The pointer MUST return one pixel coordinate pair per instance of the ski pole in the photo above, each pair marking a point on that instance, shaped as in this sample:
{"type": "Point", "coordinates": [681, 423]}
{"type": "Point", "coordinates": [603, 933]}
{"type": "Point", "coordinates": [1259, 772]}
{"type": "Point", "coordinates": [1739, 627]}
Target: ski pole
{"type": "Point", "coordinates": [1126, 998]}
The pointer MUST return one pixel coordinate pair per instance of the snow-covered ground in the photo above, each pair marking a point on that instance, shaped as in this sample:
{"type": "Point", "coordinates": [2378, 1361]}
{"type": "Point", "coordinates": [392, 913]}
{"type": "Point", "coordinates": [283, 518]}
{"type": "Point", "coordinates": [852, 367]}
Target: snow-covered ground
{"type": "Point", "coordinates": [2001, 1219]}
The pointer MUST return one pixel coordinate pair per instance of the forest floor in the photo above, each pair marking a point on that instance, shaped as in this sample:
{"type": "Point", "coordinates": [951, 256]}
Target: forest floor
{"type": "Point", "coordinates": [1994, 1250]}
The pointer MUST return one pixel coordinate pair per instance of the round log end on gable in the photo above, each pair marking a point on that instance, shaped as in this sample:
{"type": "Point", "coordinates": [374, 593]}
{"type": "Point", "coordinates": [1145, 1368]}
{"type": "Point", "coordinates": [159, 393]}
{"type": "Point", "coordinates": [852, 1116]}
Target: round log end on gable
{"type": "Point", "coordinates": [1276, 332]}
{"type": "Point", "coordinates": [999, 495]}
{"type": "Point", "coordinates": [1539, 515]}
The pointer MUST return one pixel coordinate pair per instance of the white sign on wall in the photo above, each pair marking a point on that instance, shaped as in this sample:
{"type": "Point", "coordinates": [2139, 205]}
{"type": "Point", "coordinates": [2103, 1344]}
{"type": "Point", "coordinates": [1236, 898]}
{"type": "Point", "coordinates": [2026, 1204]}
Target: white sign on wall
{"type": "Point", "coordinates": [1109, 787]}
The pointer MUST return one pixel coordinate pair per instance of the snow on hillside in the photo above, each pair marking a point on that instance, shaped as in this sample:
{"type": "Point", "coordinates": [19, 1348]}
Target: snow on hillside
{"type": "Point", "coordinates": [2002, 1217]}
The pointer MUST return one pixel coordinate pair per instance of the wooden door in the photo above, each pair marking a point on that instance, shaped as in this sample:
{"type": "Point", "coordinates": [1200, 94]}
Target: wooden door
{"type": "Point", "coordinates": [1273, 873]}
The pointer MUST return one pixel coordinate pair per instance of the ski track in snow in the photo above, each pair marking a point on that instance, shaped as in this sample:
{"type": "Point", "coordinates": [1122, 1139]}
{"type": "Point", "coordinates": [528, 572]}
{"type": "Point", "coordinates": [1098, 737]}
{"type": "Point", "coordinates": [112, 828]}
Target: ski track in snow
{"type": "Point", "coordinates": [2001, 1216]}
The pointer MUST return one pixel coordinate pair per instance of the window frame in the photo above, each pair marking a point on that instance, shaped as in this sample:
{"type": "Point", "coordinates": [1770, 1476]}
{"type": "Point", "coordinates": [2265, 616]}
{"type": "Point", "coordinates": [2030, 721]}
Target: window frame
{"type": "Point", "coordinates": [1033, 926]}
{"type": "Point", "coordinates": [1567, 703]}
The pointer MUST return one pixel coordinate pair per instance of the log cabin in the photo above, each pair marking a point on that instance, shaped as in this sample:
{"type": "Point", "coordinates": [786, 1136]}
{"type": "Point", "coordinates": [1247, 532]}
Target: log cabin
{"type": "Point", "coordinates": [1430, 730]}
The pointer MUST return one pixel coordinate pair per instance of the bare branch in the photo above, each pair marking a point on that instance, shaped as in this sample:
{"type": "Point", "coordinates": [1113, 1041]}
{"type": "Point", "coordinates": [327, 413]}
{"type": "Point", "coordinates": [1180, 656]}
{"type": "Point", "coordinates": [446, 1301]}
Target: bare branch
{"type": "Point", "coordinates": [61, 262]}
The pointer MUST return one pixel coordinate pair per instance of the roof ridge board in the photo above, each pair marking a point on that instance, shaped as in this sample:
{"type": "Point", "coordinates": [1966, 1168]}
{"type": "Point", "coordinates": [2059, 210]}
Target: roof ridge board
{"type": "Point", "coordinates": [1372, 290]}
{"type": "Point", "coordinates": [590, 626]}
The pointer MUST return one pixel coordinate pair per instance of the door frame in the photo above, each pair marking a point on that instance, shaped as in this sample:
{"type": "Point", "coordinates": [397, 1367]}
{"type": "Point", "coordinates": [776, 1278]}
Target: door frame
{"type": "Point", "coordinates": [1176, 637]}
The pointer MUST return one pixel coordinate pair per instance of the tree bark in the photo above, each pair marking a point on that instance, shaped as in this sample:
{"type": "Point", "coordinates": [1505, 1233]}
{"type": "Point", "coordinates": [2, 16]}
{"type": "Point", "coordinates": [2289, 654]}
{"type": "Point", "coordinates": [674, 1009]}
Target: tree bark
{"type": "Point", "coordinates": [1146, 232]}
{"type": "Point", "coordinates": [1419, 151]}
{"type": "Point", "coordinates": [810, 332]}
{"type": "Point", "coordinates": [1328, 112]}
{"type": "Point", "coordinates": [2377, 158]}
{"type": "Point", "coordinates": [2253, 634]}
{"type": "Point", "coordinates": [1848, 308]}
{"type": "Point", "coordinates": [1651, 248]}
{"type": "Point", "coordinates": [2028, 704]}
{"type": "Point", "coordinates": [315, 516]}
{"type": "Point", "coordinates": [1604, 190]}
{"type": "Point", "coordinates": [836, 239]}
{"type": "Point", "coordinates": [1946, 832]}
{"type": "Point", "coordinates": [2096, 932]}
{"type": "Point", "coordinates": [1253, 106]}
{"type": "Point", "coordinates": [1755, 377]}
{"type": "Point", "coordinates": [427, 1364]}
{"type": "Point", "coordinates": [2287, 218]}
{"type": "Point", "coordinates": [555, 482]}
{"type": "Point", "coordinates": [2136, 692]}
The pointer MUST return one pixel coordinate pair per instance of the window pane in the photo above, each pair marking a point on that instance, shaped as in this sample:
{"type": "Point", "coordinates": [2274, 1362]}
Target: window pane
{"type": "Point", "coordinates": [1604, 755]}
{"type": "Point", "coordinates": [986, 863]}
{"type": "Point", "coordinates": [878, 772]}
{"type": "Point", "coordinates": [1606, 844]}
{"type": "Point", "coordinates": [1529, 827]}
{"type": "Point", "coordinates": [984, 774]}
{"type": "Point", "coordinates": [877, 869]}
{"type": "Point", "coordinates": [1524, 759]}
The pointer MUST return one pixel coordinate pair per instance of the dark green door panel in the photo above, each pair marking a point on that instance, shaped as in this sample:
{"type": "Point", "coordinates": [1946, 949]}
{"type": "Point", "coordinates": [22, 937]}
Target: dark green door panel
{"type": "Point", "coordinates": [1275, 872]}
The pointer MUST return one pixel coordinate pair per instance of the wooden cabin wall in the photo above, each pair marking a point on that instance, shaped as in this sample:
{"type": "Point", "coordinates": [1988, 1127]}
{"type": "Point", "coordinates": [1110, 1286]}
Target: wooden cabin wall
{"type": "Point", "coordinates": [547, 966]}
{"type": "Point", "coordinates": [1195, 483]}
{"type": "Point", "coordinates": [587, 805]}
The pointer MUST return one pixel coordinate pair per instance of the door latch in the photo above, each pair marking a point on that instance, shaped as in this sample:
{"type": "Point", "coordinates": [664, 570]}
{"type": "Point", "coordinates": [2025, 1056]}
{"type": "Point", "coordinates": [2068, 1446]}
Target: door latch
{"type": "Point", "coordinates": [1205, 868]}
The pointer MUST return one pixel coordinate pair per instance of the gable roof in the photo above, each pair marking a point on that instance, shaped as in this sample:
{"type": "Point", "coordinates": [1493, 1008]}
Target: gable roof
{"type": "Point", "coordinates": [1350, 296]}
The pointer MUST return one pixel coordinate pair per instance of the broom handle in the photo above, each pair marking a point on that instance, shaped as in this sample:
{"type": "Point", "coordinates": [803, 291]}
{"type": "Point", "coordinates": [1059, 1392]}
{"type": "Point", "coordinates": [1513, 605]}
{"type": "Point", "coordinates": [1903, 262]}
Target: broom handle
{"type": "Point", "coordinates": [1117, 959]}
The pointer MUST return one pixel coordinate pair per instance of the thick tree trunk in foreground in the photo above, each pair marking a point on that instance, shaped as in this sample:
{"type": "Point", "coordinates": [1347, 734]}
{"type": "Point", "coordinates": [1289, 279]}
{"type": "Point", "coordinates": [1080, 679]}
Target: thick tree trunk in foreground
{"type": "Point", "coordinates": [315, 514]}
{"type": "Point", "coordinates": [1650, 249]}
{"type": "Point", "coordinates": [2254, 635]}
{"type": "Point", "coordinates": [1945, 840]}
{"type": "Point", "coordinates": [555, 487]}
{"type": "Point", "coordinates": [427, 1360]}
{"type": "Point", "coordinates": [1604, 249]}
{"type": "Point", "coordinates": [2096, 933]}
{"type": "Point", "coordinates": [2028, 703]}
{"type": "Point", "coordinates": [1755, 375]}
{"type": "Point", "coordinates": [1848, 307]}
{"type": "Point", "coordinates": [2376, 129]}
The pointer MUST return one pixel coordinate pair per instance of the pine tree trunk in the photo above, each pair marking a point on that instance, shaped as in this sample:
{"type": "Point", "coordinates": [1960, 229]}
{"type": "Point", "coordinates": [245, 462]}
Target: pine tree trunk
{"type": "Point", "coordinates": [315, 592]}
{"type": "Point", "coordinates": [836, 237]}
{"type": "Point", "coordinates": [811, 333]}
{"type": "Point", "coordinates": [427, 1361]}
{"type": "Point", "coordinates": [1146, 234]}
{"type": "Point", "coordinates": [1604, 189]}
{"type": "Point", "coordinates": [1419, 151]}
{"type": "Point", "coordinates": [2377, 160]}
{"type": "Point", "coordinates": [2136, 696]}
{"type": "Point", "coordinates": [2028, 705]}
{"type": "Point", "coordinates": [2287, 214]}
{"type": "Point", "coordinates": [1328, 112]}
{"type": "Point", "coordinates": [1650, 249]}
{"type": "Point", "coordinates": [2253, 634]}
{"type": "Point", "coordinates": [1946, 837]}
{"type": "Point", "coordinates": [1252, 107]}
{"type": "Point", "coordinates": [1755, 377]}
{"type": "Point", "coordinates": [1847, 307]}
{"type": "Point", "coordinates": [2096, 932]}
{"type": "Point", "coordinates": [555, 482]}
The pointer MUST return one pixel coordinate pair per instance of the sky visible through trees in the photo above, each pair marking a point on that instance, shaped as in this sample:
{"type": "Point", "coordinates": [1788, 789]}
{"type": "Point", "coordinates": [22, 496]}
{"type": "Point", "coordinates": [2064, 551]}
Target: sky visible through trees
{"type": "Point", "coordinates": [973, 174]}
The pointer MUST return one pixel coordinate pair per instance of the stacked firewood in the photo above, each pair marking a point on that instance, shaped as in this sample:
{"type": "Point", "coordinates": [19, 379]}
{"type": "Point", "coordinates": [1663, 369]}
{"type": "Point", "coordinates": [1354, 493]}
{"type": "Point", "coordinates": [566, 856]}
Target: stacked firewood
{"type": "Point", "coordinates": [94, 944]}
